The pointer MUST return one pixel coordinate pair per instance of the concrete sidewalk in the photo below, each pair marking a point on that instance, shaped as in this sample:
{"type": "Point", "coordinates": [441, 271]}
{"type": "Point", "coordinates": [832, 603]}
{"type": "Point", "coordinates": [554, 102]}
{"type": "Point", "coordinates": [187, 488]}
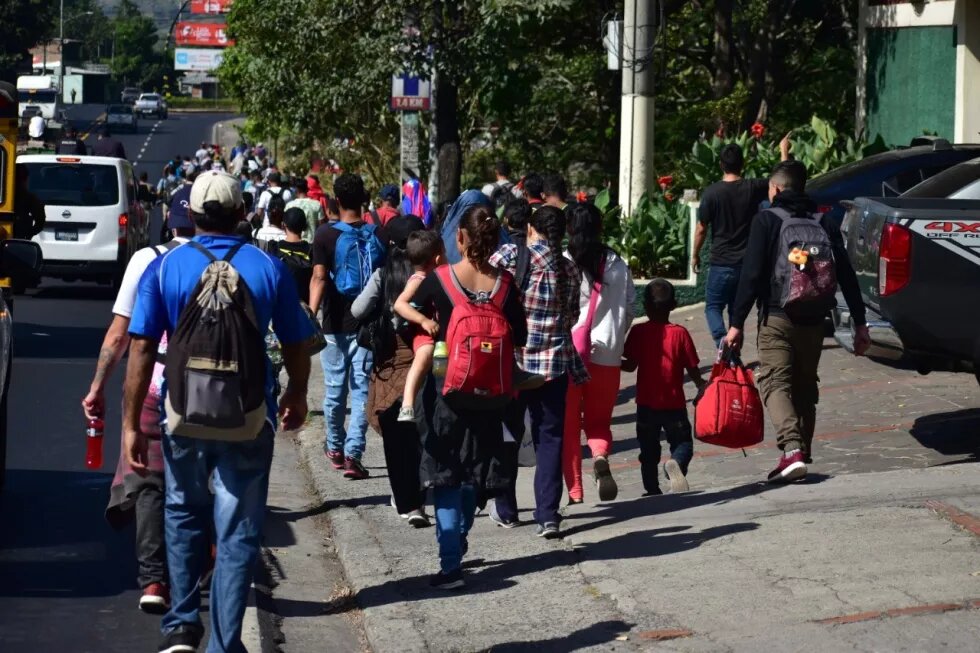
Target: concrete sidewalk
{"type": "Point", "coordinates": [879, 550]}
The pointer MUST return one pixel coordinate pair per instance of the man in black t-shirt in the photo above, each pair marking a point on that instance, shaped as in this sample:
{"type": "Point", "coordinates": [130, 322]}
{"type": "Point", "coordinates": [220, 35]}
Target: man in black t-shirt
{"type": "Point", "coordinates": [346, 365]}
{"type": "Point", "coordinates": [727, 206]}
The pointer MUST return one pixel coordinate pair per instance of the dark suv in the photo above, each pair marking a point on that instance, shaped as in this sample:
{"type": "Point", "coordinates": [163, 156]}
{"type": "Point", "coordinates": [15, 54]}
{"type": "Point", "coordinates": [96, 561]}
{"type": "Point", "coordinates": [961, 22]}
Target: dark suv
{"type": "Point", "coordinates": [888, 174]}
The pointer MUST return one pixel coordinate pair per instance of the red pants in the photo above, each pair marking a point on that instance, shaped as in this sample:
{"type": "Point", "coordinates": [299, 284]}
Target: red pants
{"type": "Point", "coordinates": [589, 407]}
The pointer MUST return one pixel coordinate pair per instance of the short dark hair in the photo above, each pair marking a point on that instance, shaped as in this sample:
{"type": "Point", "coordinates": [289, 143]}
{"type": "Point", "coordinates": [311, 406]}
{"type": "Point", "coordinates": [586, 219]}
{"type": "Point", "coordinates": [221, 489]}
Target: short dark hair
{"type": "Point", "coordinates": [517, 213]}
{"type": "Point", "coordinates": [554, 184]}
{"type": "Point", "coordinates": [659, 297]}
{"type": "Point", "coordinates": [349, 189]}
{"type": "Point", "coordinates": [502, 168]}
{"type": "Point", "coordinates": [789, 175]}
{"type": "Point", "coordinates": [533, 185]}
{"type": "Point", "coordinates": [217, 218]}
{"type": "Point", "coordinates": [248, 199]}
{"type": "Point", "coordinates": [300, 185]}
{"type": "Point", "coordinates": [732, 159]}
{"type": "Point", "coordinates": [275, 178]}
{"type": "Point", "coordinates": [295, 220]}
{"type": "Point", "coordinates": [423, 246]}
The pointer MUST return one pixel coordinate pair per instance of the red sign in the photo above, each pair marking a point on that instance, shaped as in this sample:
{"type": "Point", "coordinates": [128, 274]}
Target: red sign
{"type": "Point", "coordinates": [210, 6]}
{"type": "Point", "coordinates": [204, 34]}
{"type": "Point", "coordinates": [410, 103]}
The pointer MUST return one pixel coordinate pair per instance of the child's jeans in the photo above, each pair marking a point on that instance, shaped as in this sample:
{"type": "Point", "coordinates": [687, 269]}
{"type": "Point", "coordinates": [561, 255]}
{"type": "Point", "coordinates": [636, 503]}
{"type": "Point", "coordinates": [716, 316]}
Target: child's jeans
{"type": "Point", "coordinates": [677, 427]}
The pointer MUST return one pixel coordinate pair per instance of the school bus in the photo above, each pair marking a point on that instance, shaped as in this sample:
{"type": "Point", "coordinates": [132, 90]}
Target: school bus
{"type": "Point", "coordinates": [17, 257]}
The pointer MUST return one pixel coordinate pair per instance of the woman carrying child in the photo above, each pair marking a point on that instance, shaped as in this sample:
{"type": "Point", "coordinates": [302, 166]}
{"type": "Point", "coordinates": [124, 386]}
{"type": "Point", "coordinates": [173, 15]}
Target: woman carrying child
{"type": "Point", "coordinates": [605, 299]}
{"type": "Point", "coordinates": [462, 440]}
{"type": "Point", "coordinates": [402, 446]}
{"type": "Point", "coordinates": [551, 290]}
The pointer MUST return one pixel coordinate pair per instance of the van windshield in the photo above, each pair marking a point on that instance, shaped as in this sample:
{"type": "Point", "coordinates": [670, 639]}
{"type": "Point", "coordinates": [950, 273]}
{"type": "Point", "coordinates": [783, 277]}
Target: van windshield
{"type": "Point", "coordinates": [73, 184]}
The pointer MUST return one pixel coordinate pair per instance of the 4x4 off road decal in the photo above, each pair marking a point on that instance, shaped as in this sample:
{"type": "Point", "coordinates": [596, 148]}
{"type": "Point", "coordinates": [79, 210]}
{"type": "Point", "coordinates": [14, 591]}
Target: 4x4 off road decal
{"type": "Point", "coordinates": [959, 236]}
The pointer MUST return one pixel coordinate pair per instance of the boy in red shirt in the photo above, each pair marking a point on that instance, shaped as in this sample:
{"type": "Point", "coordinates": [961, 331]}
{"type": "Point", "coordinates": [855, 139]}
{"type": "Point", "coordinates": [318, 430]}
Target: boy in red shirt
{"type": "Point", "coordinates": [662, 351]}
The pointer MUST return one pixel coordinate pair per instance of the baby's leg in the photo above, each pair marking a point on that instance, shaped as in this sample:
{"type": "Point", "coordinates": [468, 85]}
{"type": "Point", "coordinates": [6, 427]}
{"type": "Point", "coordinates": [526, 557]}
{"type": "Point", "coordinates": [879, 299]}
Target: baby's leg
{"type": "Point", "coordinates": [416, 375]}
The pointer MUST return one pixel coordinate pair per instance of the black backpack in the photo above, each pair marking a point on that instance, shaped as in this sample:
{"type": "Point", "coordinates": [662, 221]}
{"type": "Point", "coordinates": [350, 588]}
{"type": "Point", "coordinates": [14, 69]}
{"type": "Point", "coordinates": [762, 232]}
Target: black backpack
{"type": "Point", "coordinates": [377, 333]}
{"type": "Point", "coordinates": [298, 262]}
{"type": "Point", "coordinates": [502, 193]}
{"type": "Point", "coordinates": [216, 361]}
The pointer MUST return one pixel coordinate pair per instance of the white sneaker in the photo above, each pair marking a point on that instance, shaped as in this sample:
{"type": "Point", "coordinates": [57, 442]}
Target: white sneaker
{"type": "Point", "coordinates": [406, 414]}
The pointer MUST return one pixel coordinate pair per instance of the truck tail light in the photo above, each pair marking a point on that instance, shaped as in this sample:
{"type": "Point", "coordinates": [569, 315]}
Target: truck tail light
{"type": "Point", "coordinates": [123, 226]}
{"type": "Point", "coordinates": [894, 259]}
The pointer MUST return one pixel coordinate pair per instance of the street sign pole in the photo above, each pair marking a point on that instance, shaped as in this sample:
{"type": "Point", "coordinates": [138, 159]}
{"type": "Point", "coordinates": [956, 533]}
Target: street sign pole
{"type": "Point", "coordinates": [409, 144]}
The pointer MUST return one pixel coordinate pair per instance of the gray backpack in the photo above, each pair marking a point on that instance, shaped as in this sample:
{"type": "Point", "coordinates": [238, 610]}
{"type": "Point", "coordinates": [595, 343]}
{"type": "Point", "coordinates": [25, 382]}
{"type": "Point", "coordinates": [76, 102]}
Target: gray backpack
{"type": "Point", "coordinates": [804, 274]}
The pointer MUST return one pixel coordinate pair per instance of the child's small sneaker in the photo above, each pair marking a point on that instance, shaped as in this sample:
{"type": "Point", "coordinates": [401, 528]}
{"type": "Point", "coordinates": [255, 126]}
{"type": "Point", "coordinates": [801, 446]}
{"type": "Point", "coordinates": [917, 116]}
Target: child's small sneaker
{"type": "Point", "coordinates": [406, 414]}
{"type": "Point", "coordinates": [354, 470]}
{"type": "Point", "coordinates": [678, 482]}
{"type": "Point", "coordinates": [336, 459]}
{"type": "Point", "coordinates": [451, 581]}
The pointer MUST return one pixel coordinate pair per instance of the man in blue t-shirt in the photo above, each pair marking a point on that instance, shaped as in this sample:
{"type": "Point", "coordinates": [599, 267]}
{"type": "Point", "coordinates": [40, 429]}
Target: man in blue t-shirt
{"type": "Point", "coordinates": [240, 470]}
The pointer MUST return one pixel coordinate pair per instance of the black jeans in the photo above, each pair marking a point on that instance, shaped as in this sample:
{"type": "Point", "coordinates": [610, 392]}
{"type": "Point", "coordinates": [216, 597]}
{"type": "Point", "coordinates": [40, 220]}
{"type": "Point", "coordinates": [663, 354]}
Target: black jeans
{"type": "Point", "coordinates": [506, 500]}
{"type": "Point", "coordinates": [403, 453]}
{"type": "Point", "coordinates": [547, 407]}
{"type": "Point", "coordinates": [151, 549]}
{"type": "Point", "coordinates": [677, 427]}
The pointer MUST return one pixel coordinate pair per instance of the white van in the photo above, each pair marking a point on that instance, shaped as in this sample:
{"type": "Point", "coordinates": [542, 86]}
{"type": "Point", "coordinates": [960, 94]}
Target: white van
{"type": "Point", "coordinates": [94, 220]}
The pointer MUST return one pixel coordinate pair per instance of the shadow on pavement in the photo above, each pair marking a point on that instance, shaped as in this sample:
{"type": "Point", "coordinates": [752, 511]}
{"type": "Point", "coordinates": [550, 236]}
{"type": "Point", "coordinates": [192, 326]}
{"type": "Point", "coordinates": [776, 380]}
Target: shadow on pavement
{"type": "Point", "coordinates": [54, 540]}
{"type": "Point", "coordinates": [594, 635]}
{"type": "Point", "coordinates": [56, 341]}
{"type": "Point", "coordinates": [951, 434]}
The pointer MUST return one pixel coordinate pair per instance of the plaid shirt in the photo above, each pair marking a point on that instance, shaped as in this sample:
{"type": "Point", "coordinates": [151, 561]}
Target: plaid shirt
{"type": "Point", "coordinates": [551, 303]}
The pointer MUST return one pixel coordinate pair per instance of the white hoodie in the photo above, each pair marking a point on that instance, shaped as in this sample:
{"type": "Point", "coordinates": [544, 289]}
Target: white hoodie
{"type": "Point", "coordinates": [613, 312]}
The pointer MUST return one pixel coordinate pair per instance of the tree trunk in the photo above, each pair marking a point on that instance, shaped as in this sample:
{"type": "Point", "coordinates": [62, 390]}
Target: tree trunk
{"type": "Point", "coordinates": [448, 148]}
{"type": "Point", "coordinates": [760, 64]}
{"type": "Point", "coordinates": [723, 81]}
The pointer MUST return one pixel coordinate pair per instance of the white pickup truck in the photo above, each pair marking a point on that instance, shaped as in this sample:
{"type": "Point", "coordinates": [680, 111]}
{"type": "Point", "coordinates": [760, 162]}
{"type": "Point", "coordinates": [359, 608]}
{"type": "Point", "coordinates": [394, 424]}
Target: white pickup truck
{"type": "Point", "coordinates": [151, 104]}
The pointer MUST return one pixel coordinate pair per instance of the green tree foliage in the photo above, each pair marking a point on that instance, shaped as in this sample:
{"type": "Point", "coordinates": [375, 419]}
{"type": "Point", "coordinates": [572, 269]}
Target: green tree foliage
{"type": "Point", "coordinates": [528, 78]}
{"type": "Point", "coordinates": [24, 24]}
{"type": "Point", "coordinates": [133, 58]}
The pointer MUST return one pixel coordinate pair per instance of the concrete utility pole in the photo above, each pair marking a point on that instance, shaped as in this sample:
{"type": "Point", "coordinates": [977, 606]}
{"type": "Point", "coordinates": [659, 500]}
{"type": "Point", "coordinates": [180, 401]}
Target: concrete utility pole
{"type": "Point", "coordinates": [636, 174]}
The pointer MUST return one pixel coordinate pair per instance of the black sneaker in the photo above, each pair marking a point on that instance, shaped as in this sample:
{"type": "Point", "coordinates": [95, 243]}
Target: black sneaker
{"type": "Point", "coordinates": [548, 530]}
{"type": "Point", "coordinates": [184, 638]}
{"type": "Point", "coordinates": [655, 492]}
{"type": "Point", "coordinates": [604, 481]}
{"type": "Point", "coordinates": [451, 581]}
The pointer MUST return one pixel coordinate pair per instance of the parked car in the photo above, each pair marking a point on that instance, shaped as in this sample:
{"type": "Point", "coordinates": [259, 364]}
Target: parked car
{"type": "Point", "coordinates": [95, 221]}
{"type": "Point", "coordinates": [129, 95]}
{"type": "Point", "coordinates": [918, 265]}
{"type": "Point", "coordinates": [151, 104]}
{"type": "Point", "coordinates": [961, 182]}
{"type": "Point", "coordinates": [888, 174]}
{"type": "Point", "coordinates": [121, 116]}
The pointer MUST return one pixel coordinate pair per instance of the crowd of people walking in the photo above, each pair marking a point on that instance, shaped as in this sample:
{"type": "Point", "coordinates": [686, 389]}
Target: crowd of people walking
{"type": "Point", "coordinates": [440, 332]}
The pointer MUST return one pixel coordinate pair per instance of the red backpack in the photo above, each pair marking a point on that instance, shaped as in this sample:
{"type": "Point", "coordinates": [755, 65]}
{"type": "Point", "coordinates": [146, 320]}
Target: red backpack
{"type": "Point", "coordinates": [480, 344]}
{"type": "Point", "coordinates": [728, 412]}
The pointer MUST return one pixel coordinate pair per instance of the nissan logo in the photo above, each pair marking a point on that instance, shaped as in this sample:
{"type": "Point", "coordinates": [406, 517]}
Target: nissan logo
{"type": "Point", "coordinates": [66, 214]}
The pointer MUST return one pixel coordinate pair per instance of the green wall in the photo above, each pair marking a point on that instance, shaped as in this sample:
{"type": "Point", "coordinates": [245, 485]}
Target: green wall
{"type": "Point", "coordinates": [911, 82]}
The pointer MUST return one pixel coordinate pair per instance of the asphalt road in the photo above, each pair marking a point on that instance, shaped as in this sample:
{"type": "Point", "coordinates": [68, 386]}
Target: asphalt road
{"type": "Point", "coordinates": [67, 580]}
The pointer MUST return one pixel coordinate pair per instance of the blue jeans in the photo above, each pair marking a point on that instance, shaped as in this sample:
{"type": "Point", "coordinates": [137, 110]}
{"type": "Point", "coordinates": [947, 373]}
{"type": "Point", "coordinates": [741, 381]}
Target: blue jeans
{"type": "Point", "coordinates": [455, 508]}
{"type": "Point", "coordinates": [240, 473]}
{"type": "Point", "coordinates": [345, 366]}
{"type": "Point", "coordinates": [719, 294]}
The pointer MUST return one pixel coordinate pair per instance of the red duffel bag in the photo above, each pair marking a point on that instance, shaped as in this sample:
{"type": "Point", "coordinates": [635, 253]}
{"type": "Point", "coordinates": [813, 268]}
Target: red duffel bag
{"type": "Point", "coordinates": [728, 412]}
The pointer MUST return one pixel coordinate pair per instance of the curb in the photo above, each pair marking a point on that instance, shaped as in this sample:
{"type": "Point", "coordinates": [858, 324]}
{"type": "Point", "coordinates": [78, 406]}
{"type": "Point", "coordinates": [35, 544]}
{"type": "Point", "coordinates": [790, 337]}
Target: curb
{"type": "Point", "coordinates": [388, 622]}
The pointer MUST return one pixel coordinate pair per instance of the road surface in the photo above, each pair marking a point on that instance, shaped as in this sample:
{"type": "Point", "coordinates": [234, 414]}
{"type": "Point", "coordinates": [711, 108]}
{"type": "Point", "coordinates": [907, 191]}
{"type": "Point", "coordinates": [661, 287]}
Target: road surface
{"type": "Point", "coordinates": [67, 580]}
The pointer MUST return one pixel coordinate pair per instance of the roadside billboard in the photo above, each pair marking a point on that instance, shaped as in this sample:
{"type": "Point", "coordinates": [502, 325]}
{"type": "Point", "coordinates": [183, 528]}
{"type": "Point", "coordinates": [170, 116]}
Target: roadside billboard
{"type": "Point", "coordinates": [197, 59]}
{"type": "Point", "coordinates": [210, 6]}
{"type": "Point", "coordinates": [203, 34]}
